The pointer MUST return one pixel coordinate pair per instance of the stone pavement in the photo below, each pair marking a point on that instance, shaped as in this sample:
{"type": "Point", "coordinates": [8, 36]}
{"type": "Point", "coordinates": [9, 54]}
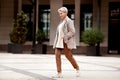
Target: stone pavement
{"type": "Point", "coordinates": [43, 67]}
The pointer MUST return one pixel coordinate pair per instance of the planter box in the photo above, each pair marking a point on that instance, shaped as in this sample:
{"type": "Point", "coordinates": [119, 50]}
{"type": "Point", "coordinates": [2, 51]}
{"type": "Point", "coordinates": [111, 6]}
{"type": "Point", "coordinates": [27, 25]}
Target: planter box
{"type": "Point", "coordinates": [40, 48]}
{"type": "Point", "coordinates": [15, 48]}
{"type": "Point", "coordinates": [91, 51]}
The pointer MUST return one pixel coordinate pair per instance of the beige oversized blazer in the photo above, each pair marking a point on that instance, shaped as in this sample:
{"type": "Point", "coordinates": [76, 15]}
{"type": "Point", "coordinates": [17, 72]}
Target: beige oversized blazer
{"type": "Point", "coordinates": [69, 34]}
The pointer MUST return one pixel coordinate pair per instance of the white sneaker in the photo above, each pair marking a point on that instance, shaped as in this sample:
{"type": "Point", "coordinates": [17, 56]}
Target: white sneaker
{"type": "Point", "coordinates": [57, 76]}
{"type": "Point", "coordinates": [78, 73]}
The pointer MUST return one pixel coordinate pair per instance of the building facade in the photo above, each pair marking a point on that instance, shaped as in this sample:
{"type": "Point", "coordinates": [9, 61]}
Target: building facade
{"type": "Point", "coordinates": [84, 13]}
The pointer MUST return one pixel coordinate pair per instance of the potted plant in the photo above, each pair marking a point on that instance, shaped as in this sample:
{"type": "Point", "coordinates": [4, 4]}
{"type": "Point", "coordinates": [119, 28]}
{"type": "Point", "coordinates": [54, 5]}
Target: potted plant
{"type": "Point", "coordinates": [91, 38]}
{"type": "Point", "coordinates": [40, 38]}
{"type": "Point", "coordinates": [18, 34]}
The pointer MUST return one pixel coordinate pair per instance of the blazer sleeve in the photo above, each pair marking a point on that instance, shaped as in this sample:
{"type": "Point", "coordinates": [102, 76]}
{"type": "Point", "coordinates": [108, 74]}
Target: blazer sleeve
{"type": "Point", "coordinates": [71, 29]}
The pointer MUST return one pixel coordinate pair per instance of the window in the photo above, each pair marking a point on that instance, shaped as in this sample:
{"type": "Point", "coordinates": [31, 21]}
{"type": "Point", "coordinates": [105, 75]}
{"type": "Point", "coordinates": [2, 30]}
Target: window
{"type": "Point", "coordinates": [44, 19]}
{"type": "Point", "coordinates": [71, 11]}
{"type": "Point", "coordinates": [28, 10]}
{"type": "Point", "coordinates": [85, 17]}
{"type": "Point", "coordinates": [87, 21]}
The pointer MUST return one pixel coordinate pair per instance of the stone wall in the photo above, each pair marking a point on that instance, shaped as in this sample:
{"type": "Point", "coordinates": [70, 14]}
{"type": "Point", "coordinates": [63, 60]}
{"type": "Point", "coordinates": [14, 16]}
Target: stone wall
{"type": "Point", "coordinates": [6, 20]}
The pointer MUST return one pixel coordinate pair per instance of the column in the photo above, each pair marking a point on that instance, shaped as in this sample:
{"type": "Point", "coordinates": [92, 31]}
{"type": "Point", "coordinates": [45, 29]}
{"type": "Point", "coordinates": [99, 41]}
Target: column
{"type": "Point", "coordinates": [37, 9]}
{"type": "Point", "coordinates": [77, 20]}
{"type": "Point", "coordinates": [6, 20]}
{"type": "Point", "coordinates": [95, 11]}
{"type": "Point", "coordinates": [19, 5]}
{"type": "Point", "coordinates": [54, 18]}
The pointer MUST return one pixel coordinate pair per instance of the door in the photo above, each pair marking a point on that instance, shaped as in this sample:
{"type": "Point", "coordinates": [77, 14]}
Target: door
{"type": "Point", "coordinates": [114, 27]}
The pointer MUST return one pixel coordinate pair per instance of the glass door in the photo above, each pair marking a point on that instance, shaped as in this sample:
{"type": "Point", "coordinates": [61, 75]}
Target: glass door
{"type": "Point", "coordinates": [114, 28]}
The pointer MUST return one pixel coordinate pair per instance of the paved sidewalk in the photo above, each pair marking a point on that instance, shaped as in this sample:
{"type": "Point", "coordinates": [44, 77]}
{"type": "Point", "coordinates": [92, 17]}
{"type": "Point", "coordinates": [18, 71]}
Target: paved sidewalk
{"type": "Point", "coordinates": [43, 67]}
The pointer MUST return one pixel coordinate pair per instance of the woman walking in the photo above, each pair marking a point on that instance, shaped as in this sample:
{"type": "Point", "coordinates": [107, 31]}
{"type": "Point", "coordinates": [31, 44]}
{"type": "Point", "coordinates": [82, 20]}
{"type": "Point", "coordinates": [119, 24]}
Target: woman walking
{"type": "Point", "coordinates": [65, 40]}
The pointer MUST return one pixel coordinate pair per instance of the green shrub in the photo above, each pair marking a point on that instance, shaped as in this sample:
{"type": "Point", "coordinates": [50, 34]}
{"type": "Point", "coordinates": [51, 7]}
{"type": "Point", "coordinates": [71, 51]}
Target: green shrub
{"type": "Point", "coordinates": [92, 37]}
{"type": "Point", "coordinates": [40, 36]}
{"type": "Point", "coordinates": [18, 34]}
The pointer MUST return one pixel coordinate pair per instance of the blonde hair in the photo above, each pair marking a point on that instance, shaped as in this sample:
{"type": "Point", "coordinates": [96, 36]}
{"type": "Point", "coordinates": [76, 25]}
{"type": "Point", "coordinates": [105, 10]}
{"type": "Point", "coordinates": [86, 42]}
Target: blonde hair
{"type": "Point", "coordinates": [63, 9]}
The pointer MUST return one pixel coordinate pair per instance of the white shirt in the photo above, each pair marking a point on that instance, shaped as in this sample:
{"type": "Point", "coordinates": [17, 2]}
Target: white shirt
{"type": "Point", "coordinates": [60, 35]}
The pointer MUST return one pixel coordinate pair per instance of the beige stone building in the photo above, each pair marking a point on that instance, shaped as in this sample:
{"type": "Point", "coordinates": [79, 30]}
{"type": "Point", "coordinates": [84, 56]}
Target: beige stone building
{"type": "Point", "coordinates": [84, 13]}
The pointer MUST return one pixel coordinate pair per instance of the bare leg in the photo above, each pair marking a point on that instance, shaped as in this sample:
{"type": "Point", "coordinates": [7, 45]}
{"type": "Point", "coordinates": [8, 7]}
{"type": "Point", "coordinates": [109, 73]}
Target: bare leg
{"type": "Point", "coordinates": [58, 59]}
